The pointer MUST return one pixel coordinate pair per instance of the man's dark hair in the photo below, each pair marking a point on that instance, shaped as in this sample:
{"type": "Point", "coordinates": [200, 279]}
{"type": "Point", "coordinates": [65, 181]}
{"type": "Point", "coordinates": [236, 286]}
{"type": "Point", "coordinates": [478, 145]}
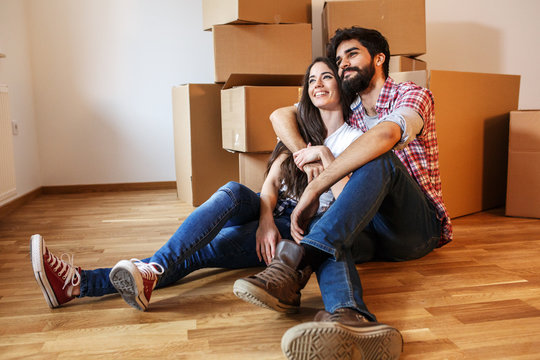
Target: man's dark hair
{"type": "Point", "coordinates": [371, 39]}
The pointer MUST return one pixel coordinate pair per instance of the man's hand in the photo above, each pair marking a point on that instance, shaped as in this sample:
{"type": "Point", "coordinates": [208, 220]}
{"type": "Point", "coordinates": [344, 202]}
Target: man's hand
{"type": "Point", "coordinates": [303, 213]}
{"type": "Point", "coordinates": [313, 170]}
{"type": "Point", "coordinates": [267, 238]}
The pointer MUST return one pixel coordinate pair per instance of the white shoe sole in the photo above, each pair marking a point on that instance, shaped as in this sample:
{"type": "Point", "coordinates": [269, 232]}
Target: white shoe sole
{"type": "Point", "coordinates": [255, 295]}
{"type": "Point", "coordinates": [37, 248]}
{"type": "Point", "coordinates": [128, 285]}
{"type": "Point", "coordinates": [335, 341]}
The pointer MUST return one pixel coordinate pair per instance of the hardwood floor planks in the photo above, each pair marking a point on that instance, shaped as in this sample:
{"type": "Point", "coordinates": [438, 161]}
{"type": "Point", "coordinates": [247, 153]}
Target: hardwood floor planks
{"type": "Point", "coordinates": [477, 298]}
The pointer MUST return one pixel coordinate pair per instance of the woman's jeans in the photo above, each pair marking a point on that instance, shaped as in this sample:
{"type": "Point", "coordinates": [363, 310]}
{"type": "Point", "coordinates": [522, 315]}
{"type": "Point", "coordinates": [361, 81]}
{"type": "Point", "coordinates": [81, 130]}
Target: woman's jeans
{"type": "Point", "coordinates": [381, 214]}
{"type": "Point", "coordinates": [218, 234]}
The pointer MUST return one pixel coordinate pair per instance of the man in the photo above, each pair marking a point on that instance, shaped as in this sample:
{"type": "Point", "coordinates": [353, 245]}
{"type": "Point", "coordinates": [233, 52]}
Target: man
{"type": "Point", "coordinates": [390, 209]}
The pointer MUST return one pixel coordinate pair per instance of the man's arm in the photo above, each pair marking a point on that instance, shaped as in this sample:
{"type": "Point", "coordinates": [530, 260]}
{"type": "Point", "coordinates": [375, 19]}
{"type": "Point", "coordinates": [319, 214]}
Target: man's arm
{"type": "Point", "coordinates": [286, 128]}
{"type": "Point", "coordinates": [377, 141]}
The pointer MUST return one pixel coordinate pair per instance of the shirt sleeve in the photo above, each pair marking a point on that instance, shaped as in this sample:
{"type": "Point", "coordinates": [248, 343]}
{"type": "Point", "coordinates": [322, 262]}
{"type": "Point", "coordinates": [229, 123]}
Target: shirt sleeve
{"type": "Point", "coordinates": [410, 124]}
{"type": "Point", "coordinates": [418, 99]}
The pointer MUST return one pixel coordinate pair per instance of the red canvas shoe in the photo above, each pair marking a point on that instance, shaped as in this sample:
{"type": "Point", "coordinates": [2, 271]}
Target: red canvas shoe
{"type": "Point", "coordinates": [55, 277]}
{"type": "Point", "coordinates": [135, 281]}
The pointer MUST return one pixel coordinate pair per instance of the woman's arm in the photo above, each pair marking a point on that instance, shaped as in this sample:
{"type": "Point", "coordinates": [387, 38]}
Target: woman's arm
{"type": "Point", "coordinates": [267, 233]}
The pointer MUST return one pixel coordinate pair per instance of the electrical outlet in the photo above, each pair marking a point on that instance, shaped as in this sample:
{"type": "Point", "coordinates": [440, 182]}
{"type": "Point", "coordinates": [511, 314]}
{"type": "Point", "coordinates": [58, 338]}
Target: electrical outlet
{"type": "Point", "coordinates": [15, 127]}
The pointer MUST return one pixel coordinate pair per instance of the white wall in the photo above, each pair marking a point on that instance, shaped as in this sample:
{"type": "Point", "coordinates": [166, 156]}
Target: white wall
{"type": "Point", "coordinates": [95, 101]}
{"type": "Point", "coordinates": [103, 73]}
{"type": "Point", "coordinates": [15, 71]}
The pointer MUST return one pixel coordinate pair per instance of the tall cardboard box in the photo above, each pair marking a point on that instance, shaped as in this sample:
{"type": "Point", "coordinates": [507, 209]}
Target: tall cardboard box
{"type": "Point", "coordinates": [472, 114]}
{"type": "Point", "coordinates": [402, 22]}
{"type": "Point", "coordinates": [202, 165]}
{"type": "Point", "coordinates": [247, 101]}
{"type": "Point", "coordinates": [261, 49]}
{"type": "Point", "coordinates": [523, 191]}
{"type": "Point", "coordinates": [252, 168]}
{"type": "Point", "coordinates": [219, 12]}
{"type": "Point", "coordinates": [405, 63]}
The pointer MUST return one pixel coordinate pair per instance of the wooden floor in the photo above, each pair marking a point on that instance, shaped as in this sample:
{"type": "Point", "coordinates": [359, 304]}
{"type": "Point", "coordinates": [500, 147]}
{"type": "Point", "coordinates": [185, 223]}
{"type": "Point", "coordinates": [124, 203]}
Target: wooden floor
{"type": "Point", "coordinates": [477, 298]}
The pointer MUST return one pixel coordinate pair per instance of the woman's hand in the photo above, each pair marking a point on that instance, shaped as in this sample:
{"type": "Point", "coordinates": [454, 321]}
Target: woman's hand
{"type": "Point", "coordinates": [267, 238]}
{"type": "Point", "coordinates": [308, 155]}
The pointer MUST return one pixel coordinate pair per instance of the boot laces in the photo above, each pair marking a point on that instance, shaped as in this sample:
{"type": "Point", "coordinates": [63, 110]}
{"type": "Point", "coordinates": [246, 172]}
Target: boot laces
{"type": "Point", "coordinates": [65, 268]}
{"type": "Point", "coordinates": [339, 315]}
{"type": "Point", "coordinates": [149, 271]}
{"type": "Point", "coordinates": [277, 273]}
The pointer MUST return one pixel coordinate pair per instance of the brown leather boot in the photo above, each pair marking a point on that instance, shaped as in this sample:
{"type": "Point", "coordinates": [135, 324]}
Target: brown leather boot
{"type": "Point", "coordinates": [345, 334]}
{"type": "Point", "coordinates": [278, 286]}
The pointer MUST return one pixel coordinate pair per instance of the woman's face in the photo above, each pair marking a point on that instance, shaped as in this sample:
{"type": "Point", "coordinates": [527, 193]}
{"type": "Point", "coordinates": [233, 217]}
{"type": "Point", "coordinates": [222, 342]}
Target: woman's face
{"type": "Point", "coordinates": [323, 87]}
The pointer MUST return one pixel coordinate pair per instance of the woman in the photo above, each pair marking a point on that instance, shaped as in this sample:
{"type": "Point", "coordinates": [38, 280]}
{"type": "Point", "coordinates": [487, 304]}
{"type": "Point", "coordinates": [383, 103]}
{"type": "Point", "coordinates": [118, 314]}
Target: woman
{"type": "Point", "coordinates": [235, 228]}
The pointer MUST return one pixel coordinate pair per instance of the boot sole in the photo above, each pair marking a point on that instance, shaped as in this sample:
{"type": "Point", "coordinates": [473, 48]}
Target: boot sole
{"type": "Point", "coordinates": [36, 254]}
{"type": "Point", "coordinates": [257, 296]}
{"type": "Point", "coordinates": [335, 341]}
{"type": "Point", "coordinates": [130, 288]}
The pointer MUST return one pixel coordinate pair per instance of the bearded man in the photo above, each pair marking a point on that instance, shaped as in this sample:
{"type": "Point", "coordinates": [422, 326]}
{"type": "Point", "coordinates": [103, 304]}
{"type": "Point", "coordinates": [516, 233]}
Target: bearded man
{"type": "Point", "coordinates": [391, 208]}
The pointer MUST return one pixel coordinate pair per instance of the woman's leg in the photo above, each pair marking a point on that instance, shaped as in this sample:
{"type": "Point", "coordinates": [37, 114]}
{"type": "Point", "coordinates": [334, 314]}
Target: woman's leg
{"type": "Point", "coordinates": [232, 204]}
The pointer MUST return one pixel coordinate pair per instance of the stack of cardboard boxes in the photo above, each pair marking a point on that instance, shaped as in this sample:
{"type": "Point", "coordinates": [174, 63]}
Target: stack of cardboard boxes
{"type": "Point", "coordinates": [262, 49]}
{"type": "Point", "coordinates": [222, 130]}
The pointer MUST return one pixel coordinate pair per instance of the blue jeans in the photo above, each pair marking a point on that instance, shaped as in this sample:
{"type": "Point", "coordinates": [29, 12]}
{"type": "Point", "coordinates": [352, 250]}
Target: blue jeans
{"type": "Point", "coordinates": [381, 214]}
{"type": "Point", "coordinates": [218, 234]}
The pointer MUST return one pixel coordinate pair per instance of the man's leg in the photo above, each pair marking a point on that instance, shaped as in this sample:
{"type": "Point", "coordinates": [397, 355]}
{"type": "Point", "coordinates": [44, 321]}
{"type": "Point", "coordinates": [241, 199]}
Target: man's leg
{"type": "Point", "coordinates": [381, 212]}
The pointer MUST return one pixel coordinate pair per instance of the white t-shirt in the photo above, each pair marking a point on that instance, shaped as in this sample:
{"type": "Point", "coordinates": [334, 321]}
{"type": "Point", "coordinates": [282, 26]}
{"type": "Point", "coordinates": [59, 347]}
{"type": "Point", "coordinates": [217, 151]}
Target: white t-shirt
{"type": "Point", "coordinates": [338, 141]}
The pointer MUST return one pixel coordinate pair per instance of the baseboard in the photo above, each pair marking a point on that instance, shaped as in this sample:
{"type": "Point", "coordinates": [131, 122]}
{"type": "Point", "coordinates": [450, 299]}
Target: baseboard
{"type": "Point", "coordinates": [77, 189]}
{"type": "Point", "coordinates": [18, 202]}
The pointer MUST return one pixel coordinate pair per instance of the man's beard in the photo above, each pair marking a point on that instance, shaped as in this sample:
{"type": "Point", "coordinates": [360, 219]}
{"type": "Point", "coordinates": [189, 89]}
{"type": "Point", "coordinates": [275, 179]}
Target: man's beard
{"type": "Point", "coordinates": [357, 83]}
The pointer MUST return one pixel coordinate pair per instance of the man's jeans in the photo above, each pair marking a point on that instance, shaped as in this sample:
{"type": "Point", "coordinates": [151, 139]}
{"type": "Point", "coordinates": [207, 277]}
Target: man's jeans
{"type": "Point", "coordinates": [219, 233]}
{"type": "Point", "coordinates": [381, 214]}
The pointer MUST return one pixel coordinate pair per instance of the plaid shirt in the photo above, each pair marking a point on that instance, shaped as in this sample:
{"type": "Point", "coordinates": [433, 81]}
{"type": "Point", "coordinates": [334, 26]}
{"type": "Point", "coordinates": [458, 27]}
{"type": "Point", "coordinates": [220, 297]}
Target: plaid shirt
{"type": "Point", "coordinates": [421, 155]}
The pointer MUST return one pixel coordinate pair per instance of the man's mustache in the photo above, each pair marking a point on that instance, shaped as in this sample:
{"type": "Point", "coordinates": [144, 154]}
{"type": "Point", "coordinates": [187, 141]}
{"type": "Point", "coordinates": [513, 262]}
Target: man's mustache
{"type": "Point", "coordinates": [352, 68]}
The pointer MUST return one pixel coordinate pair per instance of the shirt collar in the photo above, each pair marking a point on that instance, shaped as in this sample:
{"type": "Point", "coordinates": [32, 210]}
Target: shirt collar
{"type": "Point", "coordinates": [384, 97]}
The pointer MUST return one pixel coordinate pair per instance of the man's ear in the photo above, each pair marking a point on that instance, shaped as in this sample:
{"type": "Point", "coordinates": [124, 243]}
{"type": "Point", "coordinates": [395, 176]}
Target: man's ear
{"type": "Point", "coordinates": [379, 59]}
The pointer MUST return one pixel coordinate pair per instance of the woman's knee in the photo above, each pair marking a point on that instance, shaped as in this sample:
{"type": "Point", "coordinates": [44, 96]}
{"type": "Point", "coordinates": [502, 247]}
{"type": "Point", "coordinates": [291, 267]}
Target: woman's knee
{"type": "Point", "coordinates": [236, 190]}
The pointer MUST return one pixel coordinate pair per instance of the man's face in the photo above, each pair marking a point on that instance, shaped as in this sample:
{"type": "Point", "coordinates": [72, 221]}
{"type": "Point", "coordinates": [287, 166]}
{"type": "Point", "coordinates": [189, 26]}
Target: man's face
{"type": "Point", "coordinates": [356, 66]}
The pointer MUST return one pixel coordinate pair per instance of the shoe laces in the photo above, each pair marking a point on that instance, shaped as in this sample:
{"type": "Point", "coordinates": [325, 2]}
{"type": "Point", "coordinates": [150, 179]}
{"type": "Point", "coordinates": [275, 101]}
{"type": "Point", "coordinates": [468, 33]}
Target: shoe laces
{"type": "Point", "coordinates": [150, 270]}
{"type": "Point", "coordinates": [277, 273]}
{"type": "Point", "coordinates": [65, 268]}
{"type": "Point", "coordinates": [340, 315]}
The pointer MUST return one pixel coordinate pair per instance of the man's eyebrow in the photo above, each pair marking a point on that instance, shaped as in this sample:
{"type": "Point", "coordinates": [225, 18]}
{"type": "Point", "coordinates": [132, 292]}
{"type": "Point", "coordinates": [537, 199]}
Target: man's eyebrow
{"type": "Point", "coordinates": [351, 49]}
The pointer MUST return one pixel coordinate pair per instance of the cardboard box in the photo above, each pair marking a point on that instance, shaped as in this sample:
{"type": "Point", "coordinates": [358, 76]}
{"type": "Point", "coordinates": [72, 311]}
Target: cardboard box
{"type": "Point", "coordinates": [472, 114]}
{"type": "Point", "coordinates": [246, 104]}
{"type": "Point", "coordinates": [417, 77]}
{"type": "Point", "coordinates": [523, 191]}
{"type": "Point", "coordinates": [252, 169]}
{"type": "Point", "coordinates": [261, 49]}
{"type": "Point", "coordinates": [405, 63]}
{"type": "Point", "coordinates": [219, 12]}
{"type": "Point", "coordinates": [402, 22]}
{"type": "Point", "coordinates": [202, 165]}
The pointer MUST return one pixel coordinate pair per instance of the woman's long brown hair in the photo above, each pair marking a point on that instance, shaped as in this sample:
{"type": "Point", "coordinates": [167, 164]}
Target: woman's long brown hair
{"type": "Point", "coordinates": [312, 130]}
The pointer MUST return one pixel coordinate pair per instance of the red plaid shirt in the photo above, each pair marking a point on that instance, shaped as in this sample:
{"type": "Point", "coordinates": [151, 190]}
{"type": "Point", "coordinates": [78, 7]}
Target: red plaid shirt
{"type": "Point", "coordinates": [421, 155]}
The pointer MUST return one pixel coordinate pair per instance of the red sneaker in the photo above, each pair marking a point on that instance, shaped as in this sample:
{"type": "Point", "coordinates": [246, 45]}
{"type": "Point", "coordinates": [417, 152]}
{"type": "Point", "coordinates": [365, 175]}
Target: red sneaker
{"type": "Point", "coordinates": [55, 277]}
{"type": "Point", "coordinates": [135, 281]}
